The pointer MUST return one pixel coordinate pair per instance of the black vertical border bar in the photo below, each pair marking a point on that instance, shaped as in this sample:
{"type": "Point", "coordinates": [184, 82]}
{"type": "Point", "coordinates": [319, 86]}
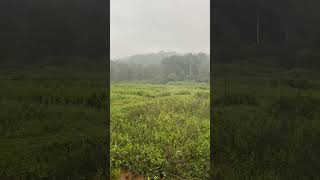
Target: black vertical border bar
{"type": "Point", "coordinates": [212, 139]}
{"type": "Point", "coordinates": [107, 44]}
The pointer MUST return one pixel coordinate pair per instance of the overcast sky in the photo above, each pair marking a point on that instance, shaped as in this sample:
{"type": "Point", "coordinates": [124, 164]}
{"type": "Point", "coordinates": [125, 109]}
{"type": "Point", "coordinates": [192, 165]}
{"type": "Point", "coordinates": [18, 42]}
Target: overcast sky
{"type": "Point", "coordinates": [145, 26]}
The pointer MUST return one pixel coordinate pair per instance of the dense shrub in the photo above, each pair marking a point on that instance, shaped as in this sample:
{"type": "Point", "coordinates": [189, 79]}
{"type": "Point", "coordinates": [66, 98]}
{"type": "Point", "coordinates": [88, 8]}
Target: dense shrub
{"type": "Point", "coordinates": [164, 137]}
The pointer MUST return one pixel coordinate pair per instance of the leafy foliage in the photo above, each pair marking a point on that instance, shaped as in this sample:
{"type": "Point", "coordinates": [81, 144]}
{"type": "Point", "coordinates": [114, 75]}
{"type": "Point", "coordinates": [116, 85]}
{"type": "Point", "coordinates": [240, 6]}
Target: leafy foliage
{"type": "Point", "coordinates": [164, 136]}
{"type": "Point", "coordinates": [171, 68]}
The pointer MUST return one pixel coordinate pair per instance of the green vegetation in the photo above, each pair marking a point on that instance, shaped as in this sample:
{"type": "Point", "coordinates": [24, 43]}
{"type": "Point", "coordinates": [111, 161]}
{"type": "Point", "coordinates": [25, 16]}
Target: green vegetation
{"type": "Point", "coordinates": [266, 120]}
{"type": "Point", "coordinates": [52, 120]}
{"type": "Point", "coordinates": [266, 123]}
{"type": "Point", "coordinates": [160, 130]}
{"type": "Point", "coordinates": [35, 30]}
{"type": "Point", "coordinates": [162, 67]}
{"type": "Point", "coordinates": [266, 92]}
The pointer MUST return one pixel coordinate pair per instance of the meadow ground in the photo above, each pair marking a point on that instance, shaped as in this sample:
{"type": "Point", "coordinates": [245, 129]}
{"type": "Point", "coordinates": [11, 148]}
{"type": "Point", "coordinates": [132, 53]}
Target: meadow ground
{"type": "Point", "coordinates": [160, 130]}
{"type": "Point", "coordinates": [267, 122]}
{"type": "Point", "coordinates": [52, 121]}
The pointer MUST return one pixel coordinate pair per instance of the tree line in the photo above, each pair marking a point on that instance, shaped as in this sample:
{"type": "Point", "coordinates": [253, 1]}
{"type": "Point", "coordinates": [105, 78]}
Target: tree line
{"type": "Point", "coordinates": [35, 29]}
{"type": "Point", "coordinates": [286, 31]}
{"type": "Point", "coordinates": [187, 67]}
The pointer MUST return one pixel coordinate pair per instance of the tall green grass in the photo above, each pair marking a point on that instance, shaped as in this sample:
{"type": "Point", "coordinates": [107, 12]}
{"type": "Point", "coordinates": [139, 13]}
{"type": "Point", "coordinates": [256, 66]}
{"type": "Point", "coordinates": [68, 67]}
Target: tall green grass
{"type": "Point", "coordinates": [160, 130]}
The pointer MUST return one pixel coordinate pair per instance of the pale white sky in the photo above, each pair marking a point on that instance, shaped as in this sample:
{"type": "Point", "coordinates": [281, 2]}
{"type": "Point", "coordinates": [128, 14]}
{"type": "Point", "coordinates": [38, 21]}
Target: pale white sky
{"type": "Point", "coordinates": [145, 26]}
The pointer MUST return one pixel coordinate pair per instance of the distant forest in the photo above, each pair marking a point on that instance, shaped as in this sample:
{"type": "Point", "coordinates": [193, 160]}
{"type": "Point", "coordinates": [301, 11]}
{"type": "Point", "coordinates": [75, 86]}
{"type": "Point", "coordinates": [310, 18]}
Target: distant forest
{"type": "Point", "coordinates": [36, 29]}
{"type": "Point", "coordinates": [162, 67]}
{"type": "Point", "coordinates": [285, 33]}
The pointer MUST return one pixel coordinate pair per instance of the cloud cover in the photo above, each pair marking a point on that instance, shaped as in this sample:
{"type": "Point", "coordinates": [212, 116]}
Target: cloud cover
{"type": "Point", "coordinates": [144, 26]}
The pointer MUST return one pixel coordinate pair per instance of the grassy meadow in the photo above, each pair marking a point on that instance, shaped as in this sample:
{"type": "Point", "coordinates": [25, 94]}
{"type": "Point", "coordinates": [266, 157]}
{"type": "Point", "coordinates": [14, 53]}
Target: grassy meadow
{"type": "Point", "coordinates": [267, 122]}
{"type": "Point", "coordinates": [52, 121]}
{"type": "Point", "coordinates": [160, 131]}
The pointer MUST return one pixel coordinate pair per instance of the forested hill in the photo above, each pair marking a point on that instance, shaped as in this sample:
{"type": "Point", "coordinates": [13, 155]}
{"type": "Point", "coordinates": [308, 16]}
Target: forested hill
{"type": "Point", "coordinates": [147, 59]}
{"type": "Point", "coordinates": [162, 67]}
